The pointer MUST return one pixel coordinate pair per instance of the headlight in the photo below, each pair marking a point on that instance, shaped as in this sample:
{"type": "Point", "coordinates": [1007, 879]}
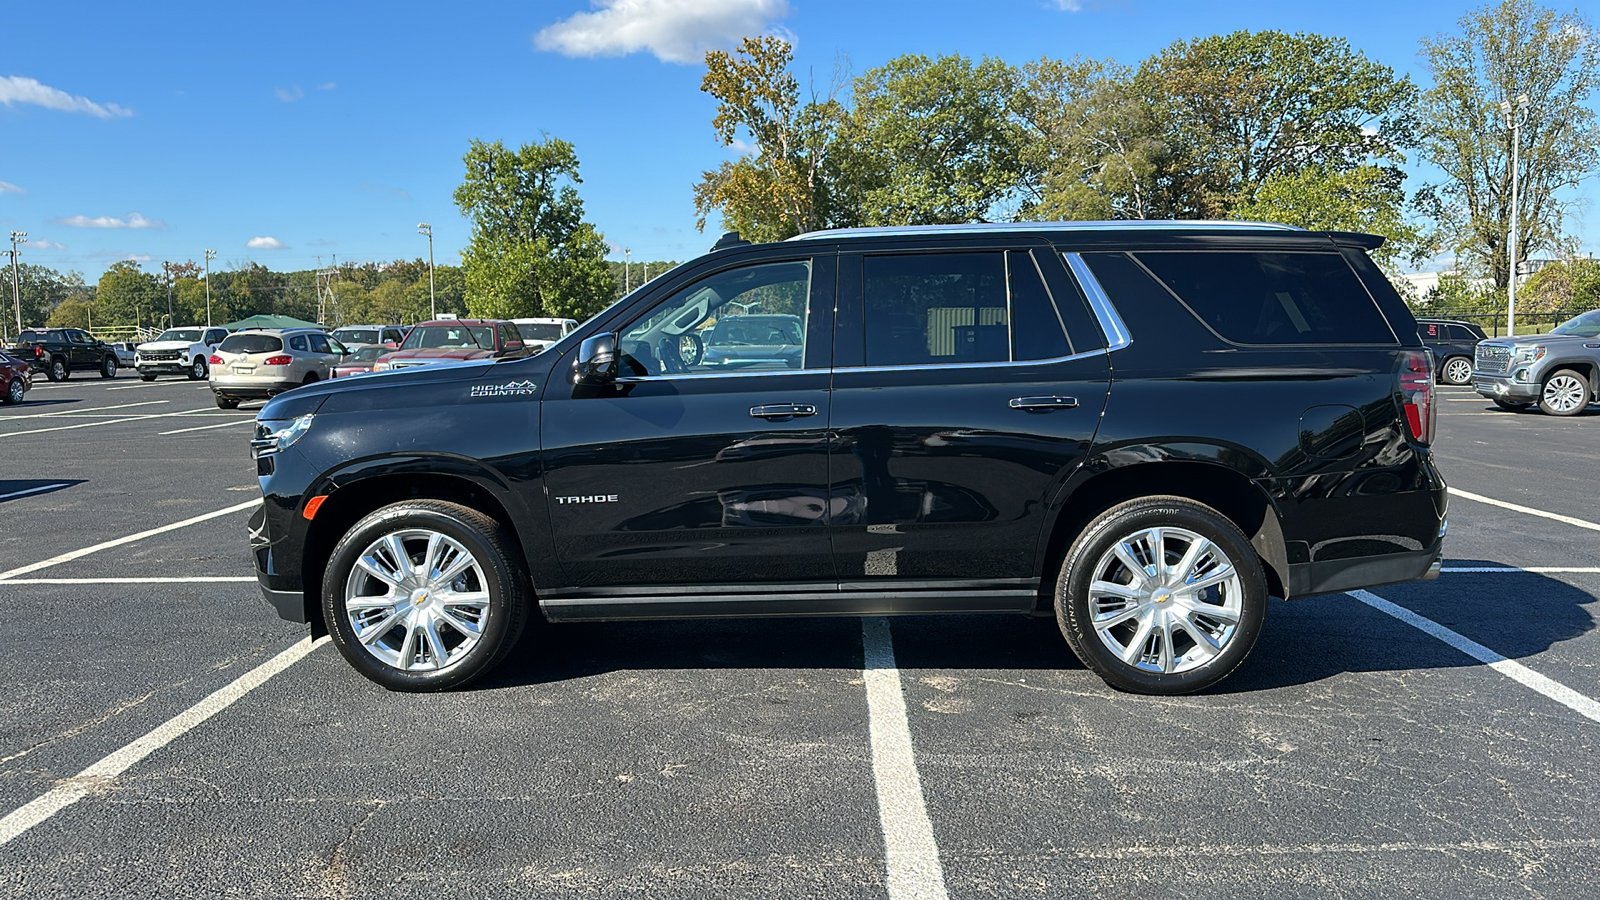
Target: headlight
{"type": "Point", "coordinates": [282, 439]}
{"type": "Point", "coordinates": [1530, 354]}
{"type": "Point", "coordinates": [381, 367]}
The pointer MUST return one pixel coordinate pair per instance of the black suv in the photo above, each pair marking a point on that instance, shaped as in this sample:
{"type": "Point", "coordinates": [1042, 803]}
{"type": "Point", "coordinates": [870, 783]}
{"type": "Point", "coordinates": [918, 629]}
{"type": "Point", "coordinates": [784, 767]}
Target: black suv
{"type": "Point", "coordinates": [1452, 344]}
{"type": "Point", "coordinates": [1142, 429]}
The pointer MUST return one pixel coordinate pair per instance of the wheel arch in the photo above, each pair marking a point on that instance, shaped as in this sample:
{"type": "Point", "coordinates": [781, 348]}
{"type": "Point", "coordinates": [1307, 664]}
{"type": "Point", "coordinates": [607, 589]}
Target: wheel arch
{"type": "Point", "coordinates": [1223, 488]}
{"type": "Point", "coordinates": [1584, 367]}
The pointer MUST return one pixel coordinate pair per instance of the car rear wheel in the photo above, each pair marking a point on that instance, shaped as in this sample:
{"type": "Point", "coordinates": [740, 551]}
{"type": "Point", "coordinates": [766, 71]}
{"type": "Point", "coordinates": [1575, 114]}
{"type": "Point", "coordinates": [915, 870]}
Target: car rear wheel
{"type": "Point", "coordinates": [226, 402]}
{"type": "Point", "coordinates": [1566, 393]}
{"type": "Point", "coordinates": [108, 367]}
{"type": "Point", "coordinates": [1456, 370]}
{"type": "Point", "coordinates": [1161, 595]}
{"type": "Point", "coordinates": [58, 370]}
{"type": "Point", "coordinates": [425, 595]}
{"type": "Point", "coordinates": [197, 369]}
{"type": "Point", "coordinates": [14, 390]}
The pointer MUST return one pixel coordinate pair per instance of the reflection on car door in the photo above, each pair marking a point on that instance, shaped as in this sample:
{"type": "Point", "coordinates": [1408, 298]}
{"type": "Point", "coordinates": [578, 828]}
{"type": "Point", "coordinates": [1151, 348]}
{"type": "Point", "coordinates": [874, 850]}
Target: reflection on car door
{"type": "Point", "coordinates": [681, 475]}
{"type": "Point", "coordinates": [960, 406]}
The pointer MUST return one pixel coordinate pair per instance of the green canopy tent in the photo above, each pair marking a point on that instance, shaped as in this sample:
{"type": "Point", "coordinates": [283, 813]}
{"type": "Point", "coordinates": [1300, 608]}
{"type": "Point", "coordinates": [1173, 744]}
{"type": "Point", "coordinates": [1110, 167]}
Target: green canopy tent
{"type": "Point", "coordinates": [265, 321]}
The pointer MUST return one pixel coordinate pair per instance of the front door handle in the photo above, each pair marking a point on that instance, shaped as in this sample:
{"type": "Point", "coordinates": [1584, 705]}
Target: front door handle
{"type": "Point", "coordinates": [783, 410]}
{"type": "Point", "coordinates": [1036, 403]}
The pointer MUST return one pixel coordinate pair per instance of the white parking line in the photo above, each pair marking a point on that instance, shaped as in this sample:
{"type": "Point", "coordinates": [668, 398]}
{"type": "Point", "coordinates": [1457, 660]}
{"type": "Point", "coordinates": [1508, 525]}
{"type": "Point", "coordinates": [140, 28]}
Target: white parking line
{"type": "Point", "coordinates": [1479, 498]}
{"type": "Point", "coordinates": [912, 856]}
{"type": "Point", "coordinates": [204, 427]}
{"type": "Point", "coordinates": [147, 384]}
{"type": "Point", "coordinates": [1535, 570]}
{"type": "Point", "coordinates": [103, 422]}
{"type": "Point", "coordinates": [102, 773]}
{"type": "Point", "coordinates": [32, 490]}
{"type": "Point", "coordinates": [75, 411]}
{"type": "Point", "coordinates": [198, 579]}
{"type": "Point", "coordinates": [106, 545]}
{"type": "Point", "coordinates": [1517, 672]}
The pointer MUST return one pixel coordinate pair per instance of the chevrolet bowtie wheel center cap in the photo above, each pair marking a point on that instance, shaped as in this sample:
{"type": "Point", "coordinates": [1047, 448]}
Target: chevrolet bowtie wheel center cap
{"type": "Point", "coordinates": [419, 597]}
{"type": "Point", "coordinates": [1162, 596]}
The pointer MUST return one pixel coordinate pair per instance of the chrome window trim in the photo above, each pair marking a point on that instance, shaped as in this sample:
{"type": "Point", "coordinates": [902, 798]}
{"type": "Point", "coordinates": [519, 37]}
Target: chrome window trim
{"type": "Point", "coordinates": [1111, 323]}
{"type": "Point", "coordinates": [1015, 227]}
{"type": "Point", "coordinates": [687, 376]}
{"type": "Point", "coordinates": [974, 365]}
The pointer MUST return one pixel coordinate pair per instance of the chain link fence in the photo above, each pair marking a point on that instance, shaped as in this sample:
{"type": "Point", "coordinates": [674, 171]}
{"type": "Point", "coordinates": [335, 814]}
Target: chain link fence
{"type": "Point", "coordinates": [1493, 321]}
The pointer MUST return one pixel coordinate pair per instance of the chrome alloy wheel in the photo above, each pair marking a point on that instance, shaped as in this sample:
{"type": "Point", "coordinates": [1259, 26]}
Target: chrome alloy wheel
{"type": "Point", "coordinates": [417, 600]}
{"type": "Point", "coordinates": [1165, 600]}
{"type": "Point", "coordinates": [1458, 371]}
{"type": "Point", "coordinates": [1565, 393]}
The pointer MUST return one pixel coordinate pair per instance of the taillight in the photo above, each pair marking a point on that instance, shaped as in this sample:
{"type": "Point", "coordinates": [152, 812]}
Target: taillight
{"type": "Point", "coordinates": [277, 361]}
{"type": "Point", "coordinates": [1416, 393]}
{"type": "Point", "coordinates": [215, 360]}
{"type": "Point", "coordinates": [38, 352]}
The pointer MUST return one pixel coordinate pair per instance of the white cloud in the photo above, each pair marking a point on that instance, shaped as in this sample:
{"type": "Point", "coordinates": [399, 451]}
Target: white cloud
{"type": "Point", "coordinates": [1067, 5]}
{"type": "Point", "coordinates": [679, 31]}
{"type": "Point", "coordinates": [327, 86]}
{"type": "Point", "coordinates": [134, 220]}
{"type": "Point", "coordinates": [46, 244]}
{"type": "Point", "coordinates": [289, 94]}
{"type": "Point", "coordinates": [263, 242]}
{"type": "Point", "coordinates": [15, 90]}
{"type": "Point", "coordinates": [138, 257]}
{"type": "Point", "coordinates": [7, 187]}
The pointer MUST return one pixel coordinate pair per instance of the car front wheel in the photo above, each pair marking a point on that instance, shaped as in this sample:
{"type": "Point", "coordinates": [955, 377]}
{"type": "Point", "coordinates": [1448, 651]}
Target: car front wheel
{"type": "Point", "coordinates": [1457, 370]}
{"type": "Point", "coordinates": [1161, 595]}
{"type": "Point", "coordinates": [197, 369]}
{"type": "Point", "coordinates": [425, 595]}
{"type": "Point", "coordinates": [1566, 393]}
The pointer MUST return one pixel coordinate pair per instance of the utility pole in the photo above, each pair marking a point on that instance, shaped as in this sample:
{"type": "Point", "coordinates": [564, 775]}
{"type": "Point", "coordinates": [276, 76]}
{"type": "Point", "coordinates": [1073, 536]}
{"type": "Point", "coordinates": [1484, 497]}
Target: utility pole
{"type": "Point", "coordinates": [1515, 117]}
{"type": "Point", "coordinates": [433, 304]}
{"type": "Point", "coordinates": [169, 268]}
{"type": "Point", "coordinates": [627, 281]}
{"type": "Point", "coordinates": [17, 237]}
{"type": "Point", "coordinates": [210, 255]}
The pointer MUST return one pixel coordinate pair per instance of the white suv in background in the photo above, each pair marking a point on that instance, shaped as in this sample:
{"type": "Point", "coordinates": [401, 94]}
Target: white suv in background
{"type": "Point", "coordinates": [178, 351]}
{"type": "Point", "coordinates": [538, 334]}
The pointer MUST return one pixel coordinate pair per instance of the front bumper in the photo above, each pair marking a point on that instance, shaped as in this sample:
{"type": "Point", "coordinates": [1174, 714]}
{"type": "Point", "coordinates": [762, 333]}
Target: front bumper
{"type": "Point", "coordinates": [165, 367]}
{"type": "Point", "coordinates": [1505, 387]}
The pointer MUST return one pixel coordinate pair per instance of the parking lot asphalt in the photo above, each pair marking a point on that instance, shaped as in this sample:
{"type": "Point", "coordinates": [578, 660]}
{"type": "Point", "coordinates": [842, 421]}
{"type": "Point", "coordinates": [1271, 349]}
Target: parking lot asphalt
{"type": "Point", "coordinates": [1352, 755]}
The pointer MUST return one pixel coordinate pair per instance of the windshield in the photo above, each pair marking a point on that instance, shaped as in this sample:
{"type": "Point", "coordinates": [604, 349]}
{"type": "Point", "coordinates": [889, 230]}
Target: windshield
{"type": "Point", "coordinates": [190, 335]}
{"type": "Point", "coordinates": [1586, 325]}
{"type": "Point", "coordinates": [365, 354]}
{"type": "Point", "coordinates": [450, 337]}
{"type": "Point", "coordinates": [539, 331]}
{"type": "Point", "coordinates": [251, 343]}
{"type": "Point", "coordinates": [358, 336]}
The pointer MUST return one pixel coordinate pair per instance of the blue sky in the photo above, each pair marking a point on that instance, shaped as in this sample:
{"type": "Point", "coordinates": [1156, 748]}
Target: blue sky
{"type": "Point", "coordinates": [286, 132]}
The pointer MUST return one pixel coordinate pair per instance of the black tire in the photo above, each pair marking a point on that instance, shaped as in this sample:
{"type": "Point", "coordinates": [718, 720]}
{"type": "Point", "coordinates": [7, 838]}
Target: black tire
{"type": "Point", "coordinates": [197, 369]}
{"type": "Point", "coordinates": [108, 367]}
{"type": "Point", "coordinates": [1128, 520]}
{"type": "Point", "coordinates": [226, 402]}
{"type": "Point", "coordinates": [311, 378]}
{"type": "Point", "coordinates": [498, 560]}
{"type": "Point", "coordinates": [58, 370]}
{"type": "Point", "coordinates": [1451, 373]}
{"type": "Point", "coordinates": [14, 391]}
{"type": "Point", "coordinates": [1512, 405]}
{"type": "Point", "coordinates": [1565, 393]}
{"type": "Point", "coordinates": [145, 377]}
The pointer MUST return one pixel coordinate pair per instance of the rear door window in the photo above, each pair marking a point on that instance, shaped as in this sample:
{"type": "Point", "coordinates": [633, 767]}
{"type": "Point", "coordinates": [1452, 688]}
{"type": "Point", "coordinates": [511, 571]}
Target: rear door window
{"type": "Point", "coordinates": [1272, 297]}
{"type": "Point", "coordinates": [935, 308]}
{"type": "Point", "coordinates": [1428, 331]}
{"type": "Point", "coordinates": [319, 343]}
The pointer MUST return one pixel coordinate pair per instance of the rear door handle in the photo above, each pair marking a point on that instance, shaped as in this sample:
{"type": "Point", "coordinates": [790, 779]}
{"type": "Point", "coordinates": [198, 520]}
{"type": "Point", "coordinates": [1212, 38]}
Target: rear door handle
{"type": "Point", "coordinates": [783, 410]}
{"type": "Point", "coordinates": [1043, 402]}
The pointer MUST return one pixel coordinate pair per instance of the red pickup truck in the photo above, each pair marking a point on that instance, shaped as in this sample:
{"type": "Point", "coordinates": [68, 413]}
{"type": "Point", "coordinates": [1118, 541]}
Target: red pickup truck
{"type": "Point", "coordinates": [456, 340]}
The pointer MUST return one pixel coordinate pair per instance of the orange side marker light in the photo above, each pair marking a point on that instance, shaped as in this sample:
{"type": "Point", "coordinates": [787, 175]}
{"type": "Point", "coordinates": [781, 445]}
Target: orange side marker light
{"type": "Point", "coordinates": [312, 505]}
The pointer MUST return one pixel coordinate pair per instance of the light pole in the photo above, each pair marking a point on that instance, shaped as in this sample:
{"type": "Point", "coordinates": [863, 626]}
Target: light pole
{"type": "Point", "coordinates": [627, 282]}
{"type": "Point", "coordinates": [17, 237]}
{"type": "Point", "coordinates": [1515, 117]}
{"type": "Point", "coordinates": [210, 255]}
{"type": "Point", "coordinates": [424, 228]}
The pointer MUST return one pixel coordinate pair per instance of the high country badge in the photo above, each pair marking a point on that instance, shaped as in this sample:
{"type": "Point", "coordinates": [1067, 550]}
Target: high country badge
{"type": "Point", "coordinates": [509, 389]}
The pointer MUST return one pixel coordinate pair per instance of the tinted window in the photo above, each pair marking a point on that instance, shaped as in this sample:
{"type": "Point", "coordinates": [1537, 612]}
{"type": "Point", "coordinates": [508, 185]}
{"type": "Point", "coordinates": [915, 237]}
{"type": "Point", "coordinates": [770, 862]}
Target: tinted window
{"type": "Point", "coordinates": [190, 335]}
{"type": "Point", "coordinates": [1428, 331]}
{"type": "Point", "coordinates": [319, 343]}
{"type": "Point", "coordinates": [78, 337]}
{"type": "Point", "coordinates": [935, 308]}
{"type": "Point", "coordinates": [680, 334]}
{"type": "Point", "coordinates": [450, 337]}
{"type": "Point", "coordinates": [357, 335]}
{"type": "Point", "coordinates": [298, 342]}
{"type": "Point", "coordinates": [1037, 332]}
{"type": "Point", "coordinates": [251, 343]}
{"type": "Point", "coordinates": [1273, 298]}
{"type": "Point", "coordinates": [1461, 333]}
{"type": "Point", "coordinates": [541, 331]}
{"type": "Point", "coordinates": [509, 332]}
{"type": "Point", "coordinates": [393, 334]}
{"type": "Point", "coordinates": [365, 354]}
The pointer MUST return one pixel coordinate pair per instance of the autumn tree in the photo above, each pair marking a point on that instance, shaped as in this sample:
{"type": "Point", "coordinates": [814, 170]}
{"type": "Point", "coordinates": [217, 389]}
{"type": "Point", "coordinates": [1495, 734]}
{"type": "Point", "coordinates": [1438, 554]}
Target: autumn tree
{"type": "Point", "coordinates": [1500, 53]}
{"type": "Point", "coordinates": [531, 252]}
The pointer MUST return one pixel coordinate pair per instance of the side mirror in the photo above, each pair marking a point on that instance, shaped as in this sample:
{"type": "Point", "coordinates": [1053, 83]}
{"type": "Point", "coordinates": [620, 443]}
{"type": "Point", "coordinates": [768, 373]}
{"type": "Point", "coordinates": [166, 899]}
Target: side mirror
{"type": "Point", "coordinates": [596, 362]}
{"type": "Point", "coordinates": [513, 345]}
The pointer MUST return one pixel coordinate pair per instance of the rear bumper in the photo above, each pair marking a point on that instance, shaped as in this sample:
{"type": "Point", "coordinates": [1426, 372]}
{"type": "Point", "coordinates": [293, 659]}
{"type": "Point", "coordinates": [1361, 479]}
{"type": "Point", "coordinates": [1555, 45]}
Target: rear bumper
{"type": "Point", "coordinates": [1336, 575]}
{"type": "Point", "coordinates": [250, 389]}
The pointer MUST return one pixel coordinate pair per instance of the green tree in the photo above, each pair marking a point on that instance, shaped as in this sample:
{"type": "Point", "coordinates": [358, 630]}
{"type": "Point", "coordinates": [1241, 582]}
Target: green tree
{"type": "Point", "coordinates": [792, 183]}
{"type": "Point", "coordinates": [1240, 109]}
{"type": "Point", "coordinates": [935, 140]}
{"type": "Point", "coordinates": [1365, 198]}
{"type": "Point", "coordinates": [1565, 285]}
{"type": "Point", "coordinates": [531, 252]}
{"type": "Point", "coordinates": [1500, 53]}
{"type": "Point", "coordinates": [128, 295]}
{"type": "Point", "coordinates": [40, 290]}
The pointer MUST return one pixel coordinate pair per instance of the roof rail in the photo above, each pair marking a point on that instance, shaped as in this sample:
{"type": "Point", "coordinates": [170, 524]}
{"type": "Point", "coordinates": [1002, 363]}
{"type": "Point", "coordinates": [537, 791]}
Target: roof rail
{"type": "Point", "coordinates": [1008, 227]}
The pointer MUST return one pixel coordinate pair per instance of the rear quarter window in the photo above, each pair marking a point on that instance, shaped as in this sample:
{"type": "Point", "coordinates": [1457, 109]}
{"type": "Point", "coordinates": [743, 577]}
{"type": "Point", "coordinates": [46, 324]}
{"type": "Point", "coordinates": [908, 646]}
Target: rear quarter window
{"type": "Point", "coordinates": [1272, 297]}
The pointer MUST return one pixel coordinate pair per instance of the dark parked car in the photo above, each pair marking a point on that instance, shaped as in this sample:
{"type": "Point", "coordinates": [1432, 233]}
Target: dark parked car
{"type": "Point", "coordinates": [16, 377]}
{"type": "Point", "coordinates": [738, 341]}
{"type": "Point", "coordinates": [1452, 344]}
{"type": "Point", "coordinates": [454, 341]}
{"type": "Point", "coordinates": [1142, 429]}
{"type": "Point", "coordinates": [58, 352]}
